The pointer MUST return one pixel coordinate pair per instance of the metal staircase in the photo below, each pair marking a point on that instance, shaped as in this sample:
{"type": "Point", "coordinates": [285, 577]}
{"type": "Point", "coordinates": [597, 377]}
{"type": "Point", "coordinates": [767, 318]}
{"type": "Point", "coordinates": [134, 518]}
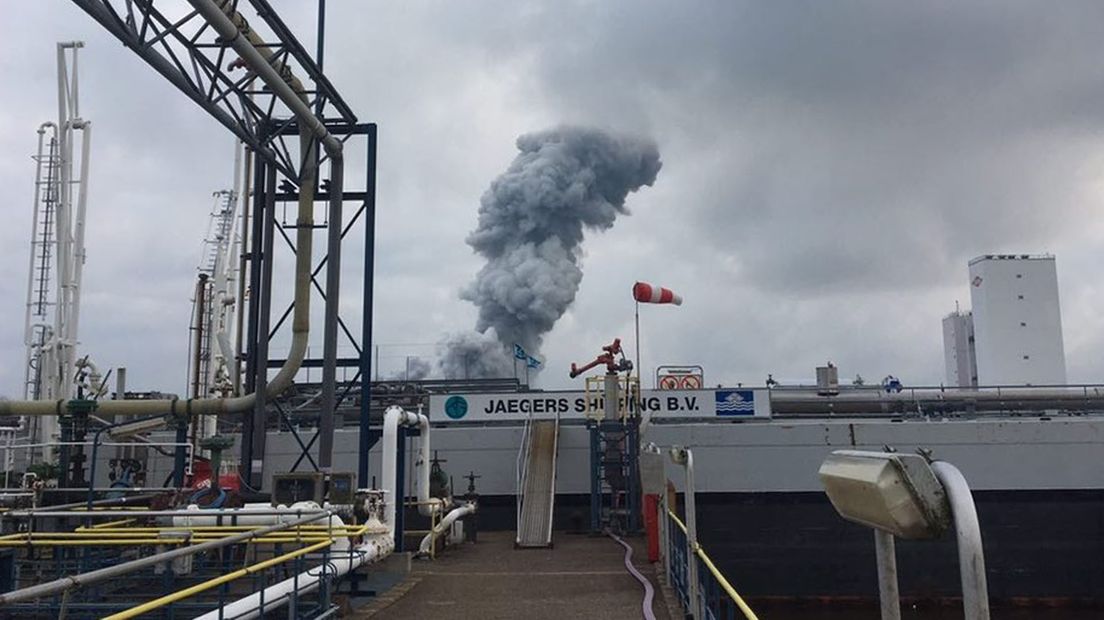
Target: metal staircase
{"type": "Point", "coordinates": [537, 483]}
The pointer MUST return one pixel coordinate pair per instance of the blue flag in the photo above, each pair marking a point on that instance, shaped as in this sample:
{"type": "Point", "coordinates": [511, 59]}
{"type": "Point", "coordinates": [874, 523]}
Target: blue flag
{"type": "Point", "coordinates": [519, 352]}
{"type": "Point", "coordinates": [534, 362]}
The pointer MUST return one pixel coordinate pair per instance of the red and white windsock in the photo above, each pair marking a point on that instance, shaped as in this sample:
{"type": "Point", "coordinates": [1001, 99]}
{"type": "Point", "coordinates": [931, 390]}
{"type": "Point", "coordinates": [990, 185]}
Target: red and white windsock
{"type": "Point", "coordinates": [648, 294]}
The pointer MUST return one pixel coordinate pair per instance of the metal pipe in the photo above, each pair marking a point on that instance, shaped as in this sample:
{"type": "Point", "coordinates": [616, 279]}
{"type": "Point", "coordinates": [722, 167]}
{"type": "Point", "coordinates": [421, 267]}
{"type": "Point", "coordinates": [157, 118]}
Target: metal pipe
{"type": "Point", "coordinates": [889, 595]}
{"type": "Point", "coordinates": [685, 457]}
{"type": "Point", "coordinates": [329, 333]}
{"type": "Point", "coordinates": [971, 555]}
{"type": "Point", "coordinates": [337, 566]}
{"type": "Point", "coordinates": [454, 514]}
{"type": "Point", "coordinates": [157, 603]}
{"type": "Point", "coordinates": [393, 418]}
{"type": "Point", "coordinates": [875, 400]}
{"type": "Point", "coordinates": [58, 586]}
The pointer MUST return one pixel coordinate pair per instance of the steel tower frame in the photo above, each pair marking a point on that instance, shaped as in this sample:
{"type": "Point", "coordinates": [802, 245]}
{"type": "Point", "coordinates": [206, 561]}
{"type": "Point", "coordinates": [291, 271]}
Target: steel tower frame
{"type": "Point", "coordinates": [180, 45]}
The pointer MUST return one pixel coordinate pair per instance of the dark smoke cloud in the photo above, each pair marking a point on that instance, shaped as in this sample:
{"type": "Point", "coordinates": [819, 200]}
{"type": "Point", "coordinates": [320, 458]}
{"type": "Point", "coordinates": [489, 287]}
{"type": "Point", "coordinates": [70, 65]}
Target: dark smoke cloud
{"type": "Point", "coordinates": [472, 355]}
{"type": "Point", "coordinates": [531, 222]}
{"type": "Point", "coordinates": [414, 369]}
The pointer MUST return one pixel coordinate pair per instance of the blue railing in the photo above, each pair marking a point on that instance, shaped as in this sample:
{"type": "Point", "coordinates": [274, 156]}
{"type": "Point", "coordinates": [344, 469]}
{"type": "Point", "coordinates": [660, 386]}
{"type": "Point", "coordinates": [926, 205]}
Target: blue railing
{"type": "Point", "coordinates": [717, 597]}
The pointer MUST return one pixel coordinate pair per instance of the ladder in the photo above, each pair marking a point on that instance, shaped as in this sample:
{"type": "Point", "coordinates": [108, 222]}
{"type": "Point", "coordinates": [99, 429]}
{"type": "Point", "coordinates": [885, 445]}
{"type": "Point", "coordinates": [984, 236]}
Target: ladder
{"type": "Point", "coordinates": [537, 483]}
{"type": "Point", "coordinates": [40, 294]}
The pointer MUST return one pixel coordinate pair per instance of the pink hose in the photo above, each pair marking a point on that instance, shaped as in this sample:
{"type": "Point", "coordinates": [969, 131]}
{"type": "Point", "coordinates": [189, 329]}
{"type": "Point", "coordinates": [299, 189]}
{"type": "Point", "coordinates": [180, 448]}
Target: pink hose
{"type": "Point", "coordinates": [649, 593]}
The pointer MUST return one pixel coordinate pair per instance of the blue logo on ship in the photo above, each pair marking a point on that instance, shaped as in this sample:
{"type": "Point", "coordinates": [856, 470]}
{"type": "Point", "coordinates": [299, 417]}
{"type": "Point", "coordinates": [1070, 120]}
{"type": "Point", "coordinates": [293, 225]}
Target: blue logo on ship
{"type": "Point", "coordinates": [735, 402]}
{"type": "Point", "coordinates": [456, 407]}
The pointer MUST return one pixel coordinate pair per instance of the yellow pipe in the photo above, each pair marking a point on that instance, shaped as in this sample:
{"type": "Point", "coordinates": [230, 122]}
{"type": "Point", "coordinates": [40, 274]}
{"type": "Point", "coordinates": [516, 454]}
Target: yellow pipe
{"type": "Point", "coordinates": [87, 543]}
{"type": "Point", "coordinates": [217, 581]}
{"type": "Point", "coordinates": [732, 593]}
{"type": "Point", "coordinates": [109, 524]}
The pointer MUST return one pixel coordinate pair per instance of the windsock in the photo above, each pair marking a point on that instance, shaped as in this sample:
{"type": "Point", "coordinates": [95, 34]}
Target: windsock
{"type": "Point", "coordinates": [648, 294]}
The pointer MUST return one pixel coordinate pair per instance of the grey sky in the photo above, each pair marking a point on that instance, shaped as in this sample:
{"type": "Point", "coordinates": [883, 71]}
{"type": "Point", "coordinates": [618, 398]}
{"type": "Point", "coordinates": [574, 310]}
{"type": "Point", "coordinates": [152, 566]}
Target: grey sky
{"type": "Point", "coordinates": [828, 169]}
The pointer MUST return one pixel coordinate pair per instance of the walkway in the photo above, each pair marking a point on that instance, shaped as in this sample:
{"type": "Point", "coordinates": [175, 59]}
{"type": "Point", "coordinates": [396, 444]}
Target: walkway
{"type": "Point", "coordinates": [581, 577]}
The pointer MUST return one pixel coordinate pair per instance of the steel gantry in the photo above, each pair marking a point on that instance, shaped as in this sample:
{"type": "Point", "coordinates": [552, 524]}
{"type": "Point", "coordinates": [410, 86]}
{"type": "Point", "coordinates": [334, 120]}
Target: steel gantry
{"type": "Point", "coordinates": [198, 48]}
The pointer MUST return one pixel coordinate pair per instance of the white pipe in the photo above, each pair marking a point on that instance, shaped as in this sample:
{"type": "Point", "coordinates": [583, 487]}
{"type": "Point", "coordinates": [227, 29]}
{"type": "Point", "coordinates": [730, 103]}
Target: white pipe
{"type": "Point", "coordinates": [450, 518]}
{"type": "Point", "coordinates": [971, 556]}
{"type": "Point", "coordinates": [684, 457]}
{"type": "Point", "coordinates": [427, 506]}
{"type": "Point", "coordinates": [392, 496]}
{"type": "Point", "coordinates": [255, 514]}
{"type": "Point", "coordinates": [337, 566]}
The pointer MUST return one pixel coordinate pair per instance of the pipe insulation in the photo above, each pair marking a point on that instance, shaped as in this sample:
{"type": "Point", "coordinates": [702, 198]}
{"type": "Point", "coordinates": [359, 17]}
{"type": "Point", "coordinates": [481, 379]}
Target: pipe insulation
{"type": "Point", "coordinates": [393, 418]}
{"type": "Point", "coordinates": [233, 28]}
{"type": "Point", "coordinates": [444, 525]}
{"type": "Point", "coordinates": [337, 565]}
{"type": "Point", "coordinates": [58, 586]}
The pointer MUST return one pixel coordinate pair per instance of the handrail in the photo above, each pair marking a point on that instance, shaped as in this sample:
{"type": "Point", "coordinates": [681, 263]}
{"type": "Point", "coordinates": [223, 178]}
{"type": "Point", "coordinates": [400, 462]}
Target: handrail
{"type": "Point", "coordinates": [522, 471]}
{"type": "Point", "coordinates": [725, 585]}
{"type": "Point", "coordinates": [157, 603]}
{"type": "Point", "coordinates": [552, 487]}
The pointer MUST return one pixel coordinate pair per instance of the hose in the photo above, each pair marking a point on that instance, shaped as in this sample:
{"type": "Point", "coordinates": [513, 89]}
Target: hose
{"type": "Point", "coordinates": [649, 593]}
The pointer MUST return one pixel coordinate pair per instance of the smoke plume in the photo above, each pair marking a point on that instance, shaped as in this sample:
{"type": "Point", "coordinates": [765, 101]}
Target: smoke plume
{"type": "Point", "coordinates": [563, 182]}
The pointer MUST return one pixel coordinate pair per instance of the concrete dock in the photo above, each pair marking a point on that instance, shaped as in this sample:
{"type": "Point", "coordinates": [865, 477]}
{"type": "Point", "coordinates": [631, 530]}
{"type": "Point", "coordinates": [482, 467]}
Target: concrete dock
{"type": "Point", "coordinates": [580, 577]}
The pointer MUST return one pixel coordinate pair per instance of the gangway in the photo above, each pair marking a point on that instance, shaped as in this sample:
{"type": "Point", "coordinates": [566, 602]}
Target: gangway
{"type": "Point", "coordinates": [537, 483]}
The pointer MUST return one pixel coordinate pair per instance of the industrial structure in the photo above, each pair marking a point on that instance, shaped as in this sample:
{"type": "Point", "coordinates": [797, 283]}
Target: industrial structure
{"type": "Point", "coordinates": [54, 281]}
{"type": "Point", "coordinates": [959, 350]}
{"type": "Point", "coordinates": [339, 474]}
{"type": "Point", "coordinates": [1013, 333]}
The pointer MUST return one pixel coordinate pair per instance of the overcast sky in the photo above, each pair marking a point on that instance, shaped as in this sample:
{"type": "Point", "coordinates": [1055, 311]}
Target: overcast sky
{"type": "Point", "coordinates": [828, 170]}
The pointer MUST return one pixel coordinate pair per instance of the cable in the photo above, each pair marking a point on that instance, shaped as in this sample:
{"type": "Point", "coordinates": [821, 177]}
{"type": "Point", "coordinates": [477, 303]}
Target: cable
{"type": "Point", "coordinates": [649, 593]}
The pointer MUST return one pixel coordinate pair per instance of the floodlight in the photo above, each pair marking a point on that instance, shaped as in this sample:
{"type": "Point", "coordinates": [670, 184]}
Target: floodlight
{"type": "Point", "coordinates": [895, 493]}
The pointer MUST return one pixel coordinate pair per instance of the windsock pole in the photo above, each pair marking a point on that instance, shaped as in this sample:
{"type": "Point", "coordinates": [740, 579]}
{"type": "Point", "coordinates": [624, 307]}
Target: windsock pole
{"type": "Point", "coordinates": [639, 368]}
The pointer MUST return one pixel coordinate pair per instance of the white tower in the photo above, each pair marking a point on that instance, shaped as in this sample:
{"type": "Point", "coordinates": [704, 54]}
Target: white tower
{"type": "Point", "coordinates": [960, 359]}
{"type": "Point", "coordinates": [1017, 321]}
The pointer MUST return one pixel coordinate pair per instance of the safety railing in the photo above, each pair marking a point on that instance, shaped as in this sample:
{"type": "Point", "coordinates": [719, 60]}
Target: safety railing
{"type": "Point", "coordinates": [716, 596]}
{"type": "Point", "coordinates": [522, 466]}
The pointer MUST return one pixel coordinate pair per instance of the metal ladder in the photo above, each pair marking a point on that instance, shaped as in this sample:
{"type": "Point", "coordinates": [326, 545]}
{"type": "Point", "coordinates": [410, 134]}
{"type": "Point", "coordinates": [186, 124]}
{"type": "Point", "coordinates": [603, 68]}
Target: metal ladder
{"type": "Point", "coordinates": [537, 483]}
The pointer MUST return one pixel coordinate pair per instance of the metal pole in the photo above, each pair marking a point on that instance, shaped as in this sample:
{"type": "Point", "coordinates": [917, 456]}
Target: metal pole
{"type": "Point", "coordinates": [329, 327]}
{"type": "Point", "coordinates": [684, 457]}
{"type": "Point", "coordinates": [971, 556]}
{"type": "Point", "coordinates": [639, 368]}
{"type": "Point", "coordinates": [264, 311]}
{"type": "Point", "coordinates": [367, 436]}
{"type": "Point", "coordinates": [180, 457]}
{"type": "Point", "coordinates": [243, 262]}
{"type": "Point", "coordinates": [890, 596]}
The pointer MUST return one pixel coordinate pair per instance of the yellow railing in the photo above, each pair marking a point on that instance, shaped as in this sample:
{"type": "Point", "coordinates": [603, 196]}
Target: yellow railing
{"type": "Point", "coordinates": [727, 587]}
{"type": "Point", "coordinates": [217, 581]}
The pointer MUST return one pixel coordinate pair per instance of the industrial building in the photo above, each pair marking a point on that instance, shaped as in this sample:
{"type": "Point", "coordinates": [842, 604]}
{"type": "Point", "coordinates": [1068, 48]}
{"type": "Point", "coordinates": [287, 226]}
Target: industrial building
{"type": "Point", "coordinates": [1013, 333]}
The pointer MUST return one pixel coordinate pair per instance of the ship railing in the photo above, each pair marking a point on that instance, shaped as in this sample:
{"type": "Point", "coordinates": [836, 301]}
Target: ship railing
{"type": "Point", "coordinates": [522, 466]}
{"type": "Point", "coordinates": [717, 598]}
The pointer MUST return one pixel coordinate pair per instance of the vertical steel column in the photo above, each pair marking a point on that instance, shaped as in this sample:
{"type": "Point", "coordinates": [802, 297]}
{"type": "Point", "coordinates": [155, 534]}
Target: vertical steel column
{"type": "Point", "coordinates": [368, 436]}
{"type": "Point", "coordinates": [180, 455]}
{"type": "Point", "coordinates": [400, 487]}
{"type": "Point", "coordinates": [329, 330]}
{"type": "Point", "coordinates": [256, 464]}
{"type": "Point", "coordinates": [252, 357]}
